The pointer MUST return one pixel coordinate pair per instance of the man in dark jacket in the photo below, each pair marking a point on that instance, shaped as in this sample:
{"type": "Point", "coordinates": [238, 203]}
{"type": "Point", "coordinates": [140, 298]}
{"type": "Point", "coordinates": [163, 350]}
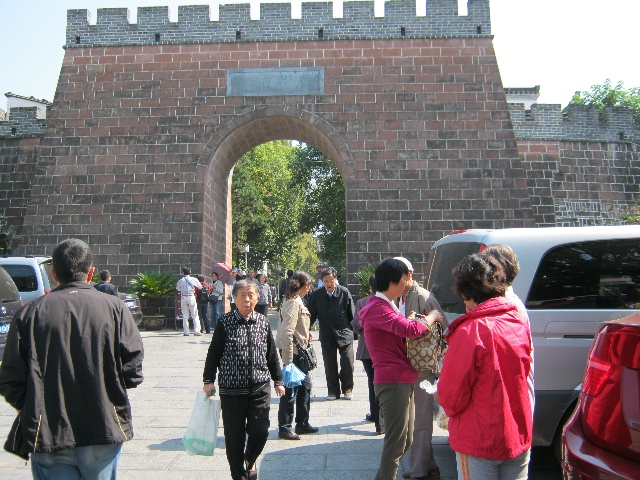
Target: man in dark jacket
{"type": "Point", "coordinates": [70, 357]}
{"type": "Point", "coordinates": [105, 285]}
{"type": "Point", "coordinates": [333, 307]}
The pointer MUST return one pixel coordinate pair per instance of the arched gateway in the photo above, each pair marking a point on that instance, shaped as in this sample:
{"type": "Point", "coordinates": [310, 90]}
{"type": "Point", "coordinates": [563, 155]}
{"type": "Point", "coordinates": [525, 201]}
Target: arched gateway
{"type": "Point", "coordinates": [150, 118]}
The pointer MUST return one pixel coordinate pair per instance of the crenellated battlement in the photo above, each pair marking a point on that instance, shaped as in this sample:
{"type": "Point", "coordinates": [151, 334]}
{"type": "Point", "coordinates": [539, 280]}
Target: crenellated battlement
{"type": "Point", "coordinates": [576, 122]}
{"type": "Point", "coordinates": [24, 122]}
{"type": "Point", "coordinates": [349, 20]}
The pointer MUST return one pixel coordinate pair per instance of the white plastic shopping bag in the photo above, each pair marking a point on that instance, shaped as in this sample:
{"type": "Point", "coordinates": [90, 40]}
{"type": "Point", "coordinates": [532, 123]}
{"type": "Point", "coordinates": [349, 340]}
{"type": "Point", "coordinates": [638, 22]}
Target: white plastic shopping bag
{"type": "Point", "coordinates": [201, 434]}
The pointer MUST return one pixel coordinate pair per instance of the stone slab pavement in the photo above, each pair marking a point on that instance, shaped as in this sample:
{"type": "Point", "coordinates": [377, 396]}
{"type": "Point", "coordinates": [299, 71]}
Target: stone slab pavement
{"type": "Point", "coordinates": [345, 448]}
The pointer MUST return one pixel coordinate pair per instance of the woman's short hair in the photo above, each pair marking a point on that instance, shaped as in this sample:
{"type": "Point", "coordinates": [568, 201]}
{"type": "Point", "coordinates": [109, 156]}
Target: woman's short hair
{"type": "Point", "coordinates": [506, 257]}
{"type": "Point", "coordinates": [479, 277]}
{"type": "Point", "coordinates": [72, 260]}
{"type": "Point", "coordinates": [389, 271]}
{"type": "Point", "coordinates": [372, 283]}
{"type": "Point", "coordinates": [298, 280]}
{"type": "Point", "coordinates": [244, 284]}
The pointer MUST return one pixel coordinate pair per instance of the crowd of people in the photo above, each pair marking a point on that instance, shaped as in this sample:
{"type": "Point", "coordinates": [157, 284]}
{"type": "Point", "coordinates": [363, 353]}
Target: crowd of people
{"type": "Point", "coordinates": [485, 384]}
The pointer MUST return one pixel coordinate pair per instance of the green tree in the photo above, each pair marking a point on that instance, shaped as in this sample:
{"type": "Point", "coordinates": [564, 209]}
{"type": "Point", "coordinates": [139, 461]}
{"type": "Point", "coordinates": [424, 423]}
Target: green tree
{"type": "Point", "coordinates": [607, 95]}
{"type": "Point", "coordinates": [266, 205]}
{"type": "Point", "coordinates": [324, 210]}
{"type": "Point", "coordinates": [305, 255]}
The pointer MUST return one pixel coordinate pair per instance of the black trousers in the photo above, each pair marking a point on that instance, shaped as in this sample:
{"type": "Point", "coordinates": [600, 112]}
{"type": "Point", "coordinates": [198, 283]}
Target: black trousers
{"type": "Point", "coordinates": [202, 313]}
{"type": "Point", "coordinates": [345, 375]}
{"type": "Point", "coordinates": [245, 416]}
{"type": "Point", "coordinates": [262, 309]}
{"type": "Point", "coordinates": [374, 405]}
{"type": "Point", "coordinates": [298, 397]}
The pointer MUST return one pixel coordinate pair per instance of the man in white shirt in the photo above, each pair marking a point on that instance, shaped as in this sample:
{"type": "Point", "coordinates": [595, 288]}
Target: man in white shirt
{"type": "Point", "coordinates": [187, 286]}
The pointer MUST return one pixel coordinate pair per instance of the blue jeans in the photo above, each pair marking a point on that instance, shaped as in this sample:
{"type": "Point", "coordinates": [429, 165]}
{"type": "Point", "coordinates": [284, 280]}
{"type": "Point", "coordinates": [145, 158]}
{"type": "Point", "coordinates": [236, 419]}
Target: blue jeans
{"type": "Point", "coordinates": [214, 313]}
{"type": "Point", "coordinates": [96, 462]}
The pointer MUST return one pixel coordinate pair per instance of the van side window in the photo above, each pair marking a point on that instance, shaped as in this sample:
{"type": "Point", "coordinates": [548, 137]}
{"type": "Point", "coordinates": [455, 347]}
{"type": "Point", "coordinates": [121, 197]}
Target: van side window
{"type": "Point", "coordinates": [24, 276]}
{"type": "Point", "coordinates": [588, 275]}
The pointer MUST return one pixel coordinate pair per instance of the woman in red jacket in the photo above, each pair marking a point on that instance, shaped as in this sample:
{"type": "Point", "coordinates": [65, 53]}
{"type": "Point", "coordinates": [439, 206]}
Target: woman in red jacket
{"type": "Point", "coordinates": [483, 383]}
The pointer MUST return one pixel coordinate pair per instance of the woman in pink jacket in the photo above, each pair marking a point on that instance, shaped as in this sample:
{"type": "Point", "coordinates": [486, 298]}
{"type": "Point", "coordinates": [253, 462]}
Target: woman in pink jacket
{"type": "Point", "coordinates": [483, 383]}
{"type": "Point", "coordinates": [393, 376]}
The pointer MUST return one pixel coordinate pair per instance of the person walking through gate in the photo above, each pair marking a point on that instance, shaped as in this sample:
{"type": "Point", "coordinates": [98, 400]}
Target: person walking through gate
{"type": "Point", "coordinates": [293, 330]}
{"type": "Point", "coordinates": [187, 287]}
{"type": "Point", "coordinates": [69, 359]}
{"type": "Point", "coordinates": [243, 351]}
{"type": "Point", "coordinates": [333, 308]}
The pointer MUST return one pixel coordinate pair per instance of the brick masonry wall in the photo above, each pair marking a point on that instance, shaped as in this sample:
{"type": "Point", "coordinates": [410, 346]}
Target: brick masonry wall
{"type": "Point", "coordinates": [579, 183]}
{"type": "Point", "coordinates": [18, 159]}
{"type": "Point", "coordinates": [143, 141]}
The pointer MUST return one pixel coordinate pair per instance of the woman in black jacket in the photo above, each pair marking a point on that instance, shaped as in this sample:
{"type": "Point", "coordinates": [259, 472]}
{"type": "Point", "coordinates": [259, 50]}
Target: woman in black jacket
{"type": "Point", "coordinates": [243, 352]}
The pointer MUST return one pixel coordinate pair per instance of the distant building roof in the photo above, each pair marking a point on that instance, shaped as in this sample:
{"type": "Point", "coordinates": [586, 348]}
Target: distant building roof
{"type": "Point", "coordinates": [31, 99]}
{"type": "Point", "coordinates": [522, 90]}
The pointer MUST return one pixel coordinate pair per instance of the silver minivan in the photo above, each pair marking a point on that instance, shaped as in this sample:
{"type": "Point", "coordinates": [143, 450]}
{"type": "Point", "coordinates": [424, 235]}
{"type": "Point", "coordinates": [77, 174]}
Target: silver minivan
{"type": "Point", "coordinates": [571, 280]}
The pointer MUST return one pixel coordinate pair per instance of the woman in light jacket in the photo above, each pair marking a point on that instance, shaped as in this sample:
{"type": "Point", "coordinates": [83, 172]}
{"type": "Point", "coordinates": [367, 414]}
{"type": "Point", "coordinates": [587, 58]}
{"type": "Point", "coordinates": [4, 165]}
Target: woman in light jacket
{"type": "Point", "coordinates": [295, 323]}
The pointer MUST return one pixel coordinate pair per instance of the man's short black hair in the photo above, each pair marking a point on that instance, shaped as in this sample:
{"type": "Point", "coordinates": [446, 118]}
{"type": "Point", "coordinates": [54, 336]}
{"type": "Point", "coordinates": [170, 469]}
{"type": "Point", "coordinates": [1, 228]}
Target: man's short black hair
{"type": "Point", "coordinates": [72, 260]}
{"type": "Point", "coordinates": [329, 271]}
{"type": "Point", "coordinates": [104, 275]}
{"type": "Point", "coordinates": [186, 271]}
{"type": "Point", "coordinates": [389, 271]}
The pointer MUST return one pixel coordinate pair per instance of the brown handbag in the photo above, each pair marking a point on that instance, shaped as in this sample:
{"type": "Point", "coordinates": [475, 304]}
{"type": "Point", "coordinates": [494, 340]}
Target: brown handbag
{"type": "Point", "coordinates": [424, 352]}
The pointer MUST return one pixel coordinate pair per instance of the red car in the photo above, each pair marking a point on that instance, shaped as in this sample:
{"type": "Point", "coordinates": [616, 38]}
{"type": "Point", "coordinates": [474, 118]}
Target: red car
{"type": "Point", "coordinates": [601, 440]}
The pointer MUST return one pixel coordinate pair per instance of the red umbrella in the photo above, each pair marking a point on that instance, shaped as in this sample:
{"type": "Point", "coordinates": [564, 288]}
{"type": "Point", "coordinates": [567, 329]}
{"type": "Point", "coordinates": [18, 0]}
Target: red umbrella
{"type": "Point", "coordinates": [224, 272]}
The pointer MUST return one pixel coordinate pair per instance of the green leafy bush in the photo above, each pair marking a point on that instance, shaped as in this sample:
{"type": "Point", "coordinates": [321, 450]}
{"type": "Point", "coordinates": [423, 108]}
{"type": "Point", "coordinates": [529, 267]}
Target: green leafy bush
{"type": "Point", "coordinates": [154, 285]}
{"type": "Point", "coordinates": [362, 276]}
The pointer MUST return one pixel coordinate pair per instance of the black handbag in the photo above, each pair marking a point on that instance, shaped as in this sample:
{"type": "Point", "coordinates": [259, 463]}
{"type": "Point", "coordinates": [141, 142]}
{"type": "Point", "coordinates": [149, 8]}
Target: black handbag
{"type": "Point", "coordinates": [307, 359]}
{"type": "Point", "coordinates": [16, 443]}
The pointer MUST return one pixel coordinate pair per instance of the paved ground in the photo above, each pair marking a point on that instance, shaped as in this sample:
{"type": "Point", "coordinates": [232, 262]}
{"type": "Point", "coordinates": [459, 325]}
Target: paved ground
{"type": "Point", "coordinates": [345, 448]}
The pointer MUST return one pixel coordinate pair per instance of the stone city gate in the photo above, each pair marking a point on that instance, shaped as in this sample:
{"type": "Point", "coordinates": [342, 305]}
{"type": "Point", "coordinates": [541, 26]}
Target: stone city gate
{"type": "Point", "coordinates": [149, 119]}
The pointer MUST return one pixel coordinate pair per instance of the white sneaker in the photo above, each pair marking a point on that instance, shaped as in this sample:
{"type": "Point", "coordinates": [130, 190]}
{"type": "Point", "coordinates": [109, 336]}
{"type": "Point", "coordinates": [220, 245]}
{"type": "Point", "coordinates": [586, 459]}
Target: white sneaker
{"type": "Point", "coordinates": [198, 334]}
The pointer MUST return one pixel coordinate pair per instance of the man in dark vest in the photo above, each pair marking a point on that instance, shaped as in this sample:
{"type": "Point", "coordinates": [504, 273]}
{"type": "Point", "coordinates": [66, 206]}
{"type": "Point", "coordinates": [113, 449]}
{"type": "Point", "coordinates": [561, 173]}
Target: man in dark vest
{"type": "Point", "coordinates": [333, 308]}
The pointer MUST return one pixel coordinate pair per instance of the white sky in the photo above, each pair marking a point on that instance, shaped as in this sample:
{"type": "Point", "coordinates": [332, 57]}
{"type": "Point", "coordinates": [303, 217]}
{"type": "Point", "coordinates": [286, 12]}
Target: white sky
{"type": "Point", "coordinates": [561, 45]}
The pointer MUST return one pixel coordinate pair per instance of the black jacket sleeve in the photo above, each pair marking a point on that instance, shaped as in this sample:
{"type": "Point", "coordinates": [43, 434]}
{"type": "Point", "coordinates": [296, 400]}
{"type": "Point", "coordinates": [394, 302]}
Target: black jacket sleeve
{"type": "Point", "coordinates": [131, 350]}
{"type": "Point", "coordinates": [14, 371]}
{"type": "Point", "coordinates": [214, 354]}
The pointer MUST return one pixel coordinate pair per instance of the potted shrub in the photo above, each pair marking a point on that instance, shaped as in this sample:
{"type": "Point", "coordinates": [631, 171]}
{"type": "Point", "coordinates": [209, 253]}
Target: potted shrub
{"type": "Point", "coordinates": [154, 290]}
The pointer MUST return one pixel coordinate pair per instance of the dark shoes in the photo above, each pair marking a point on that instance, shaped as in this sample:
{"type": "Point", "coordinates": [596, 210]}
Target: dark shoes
{"type": "Point", "coordinates": [302, 429]}
{"type": "Point", "coordinates": [288, 435]}
{"type": "Point", "coordinates": [369, 418]}
{"type": "Point", "coordinates": [380, 430]}
{"type": "Point", "coordinates": [252, 473]}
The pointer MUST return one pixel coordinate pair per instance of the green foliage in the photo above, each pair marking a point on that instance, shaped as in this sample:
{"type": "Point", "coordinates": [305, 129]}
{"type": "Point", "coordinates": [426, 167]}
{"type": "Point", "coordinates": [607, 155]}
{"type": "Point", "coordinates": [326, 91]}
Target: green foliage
{"type": "Point", "coordinates": [607, 95]}
{"type": "Point", "coordinates": [324, 210]}
{"type": "Point", "coordinates": [266, 205]}
{"type": "Point", "coordinates": [305, 256]}
{"type": "Point", "coordinates": [154, 285]}
{"type": "Point", "coordinates": [362, 276]}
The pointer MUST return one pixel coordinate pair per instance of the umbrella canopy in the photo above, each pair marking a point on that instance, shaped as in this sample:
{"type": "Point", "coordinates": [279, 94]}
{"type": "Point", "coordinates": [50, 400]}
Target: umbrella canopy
{"type": "Point", "coordinates": [224, 272]}
{"type": "Point", "coordinates": [292, 376]}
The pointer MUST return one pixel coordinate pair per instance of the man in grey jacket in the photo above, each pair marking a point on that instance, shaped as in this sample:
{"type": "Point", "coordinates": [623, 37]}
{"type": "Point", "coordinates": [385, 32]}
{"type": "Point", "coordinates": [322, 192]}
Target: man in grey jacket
{"type": "Point", "coordinates": [70, 357]}
{"type": "Point", "coordinates": [334, 309]}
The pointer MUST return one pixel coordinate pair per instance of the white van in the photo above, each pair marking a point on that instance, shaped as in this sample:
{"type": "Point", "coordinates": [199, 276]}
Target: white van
{"type": "Point", "coordinates": [571, 280]}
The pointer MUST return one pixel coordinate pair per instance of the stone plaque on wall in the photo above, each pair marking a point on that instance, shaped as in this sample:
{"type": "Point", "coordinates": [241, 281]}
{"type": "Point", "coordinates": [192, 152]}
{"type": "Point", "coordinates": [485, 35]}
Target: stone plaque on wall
{"type": "Point", "coordinates": [246, 82]}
